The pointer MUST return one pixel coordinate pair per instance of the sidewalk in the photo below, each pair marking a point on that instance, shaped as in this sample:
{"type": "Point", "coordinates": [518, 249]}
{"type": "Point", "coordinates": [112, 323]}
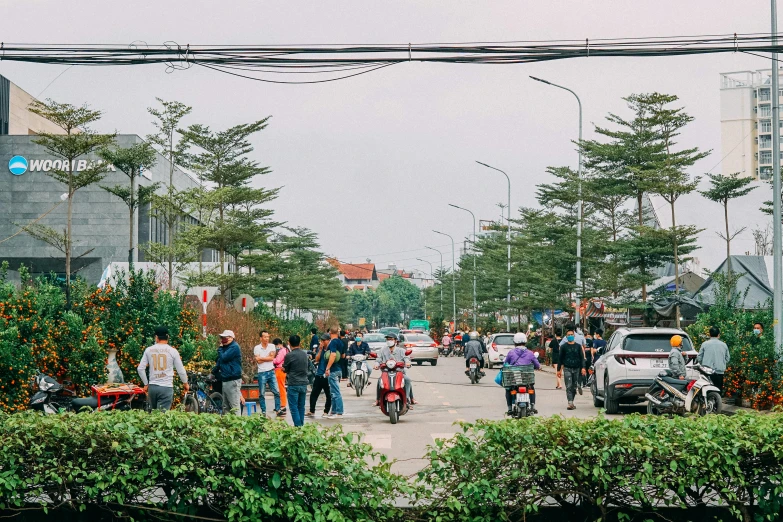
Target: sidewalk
{"type": "Point", "coordinates": [728, 409]}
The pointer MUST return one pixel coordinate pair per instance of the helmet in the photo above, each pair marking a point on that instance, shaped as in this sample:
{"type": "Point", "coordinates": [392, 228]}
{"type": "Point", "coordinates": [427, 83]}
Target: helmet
{"type": "Point", "coordinates": [676, 340]}
{"type": "Point", "coordinates": [473, 335]}
{"type": "Point", "coordinates": [391, 336]}
{"type": "Point", "coordinates": [520, 338]}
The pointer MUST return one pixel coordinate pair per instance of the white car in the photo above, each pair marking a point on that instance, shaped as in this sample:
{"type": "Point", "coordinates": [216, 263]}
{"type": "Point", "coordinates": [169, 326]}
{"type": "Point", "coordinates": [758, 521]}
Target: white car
{"type": "Point", "coordinates": [633, 357]}
{"type": "Point", "coordinates": [498, 347]}
{"type": "Point", "coordinates": [376, 341]}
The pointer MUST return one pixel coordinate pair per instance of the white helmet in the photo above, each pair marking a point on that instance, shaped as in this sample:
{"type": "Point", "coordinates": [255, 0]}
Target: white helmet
{"type": "Point", "coordinates": [473, 335]}
{"type": "Point", "coordinates": [520, 338]}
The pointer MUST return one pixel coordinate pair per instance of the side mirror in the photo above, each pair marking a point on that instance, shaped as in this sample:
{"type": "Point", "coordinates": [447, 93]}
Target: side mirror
{"type": "Point", "coordinates": [408, 352]}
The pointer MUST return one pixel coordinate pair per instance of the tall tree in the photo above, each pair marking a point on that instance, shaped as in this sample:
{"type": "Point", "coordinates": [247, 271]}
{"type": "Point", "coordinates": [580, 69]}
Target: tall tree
{"type": "Point", "coordinates": [77, 141]}
{"type": "Point", "coordinates": [170, 207]}
{"type": "Point", "coordinates": [132, 161]}
{"type": "Point", "coordinates": [399, 300]}
{"type": "Point", "coordinates": [672, 180]}
{"type": "Point", "coordinates": [722, 190]}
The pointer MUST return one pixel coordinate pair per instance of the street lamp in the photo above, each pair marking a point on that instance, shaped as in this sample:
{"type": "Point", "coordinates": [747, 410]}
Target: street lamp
{"type": "Point", "coordinates": [441, 272]}
{"type": "Point", "coordinates": [425, 289]}
{"type": "Point", "coordinates": [508, 241]}
{"type": "Point", "coordinates": [777, 241]}
{"type": "Point", "coordinates": [579, 209]}
{"type": "Point", "coordinates": [453, 284]}
{"type": "Point", "coordinates": [474, 259]}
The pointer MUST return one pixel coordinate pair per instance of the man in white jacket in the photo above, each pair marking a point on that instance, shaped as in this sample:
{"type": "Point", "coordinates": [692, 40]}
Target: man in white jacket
{"type": "Point", "coordinates": [162, 360]}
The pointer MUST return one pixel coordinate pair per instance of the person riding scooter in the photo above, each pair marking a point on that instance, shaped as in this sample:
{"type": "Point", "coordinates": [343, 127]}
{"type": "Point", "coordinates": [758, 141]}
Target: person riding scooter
{"type": "Point", "coordinates": [521, 356]}
{"type": "Point", "coordinates": [392, 351]}
{"type": "Point", "coordinates": [359, 347]}
{"type": "Point", "coordinates": [676, 360]}
{"type": "Point", "coordinates": [474, 349]}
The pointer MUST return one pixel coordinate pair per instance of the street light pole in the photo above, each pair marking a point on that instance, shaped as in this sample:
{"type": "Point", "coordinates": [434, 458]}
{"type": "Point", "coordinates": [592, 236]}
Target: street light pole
{"type": "Point", "coordinates": [453, 284]}
{"type": "Point", "coordinates": [508, 241]}
{"type": "Point", "coordinates": [579, 209]}
{"type": "Point", "coordinates": [777, 264]}
{"type": "Point", "coordinates": [474, 260]}
{"type": "Point", "coordinates": [425, 289]}
{"type": "Point", "coordinates": [441, 271]}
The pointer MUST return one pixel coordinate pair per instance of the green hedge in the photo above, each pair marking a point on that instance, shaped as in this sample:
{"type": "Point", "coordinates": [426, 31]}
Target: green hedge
{"type": "Point", "coordinates": [608, 469]}
{"type": "Point", "coordinates": [153, 465]}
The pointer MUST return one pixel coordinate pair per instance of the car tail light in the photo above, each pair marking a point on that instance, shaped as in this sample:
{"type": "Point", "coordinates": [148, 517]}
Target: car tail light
{"type": "Point", "coordinates": [623, 358]}
{"type": "Point", "coordinates": [434, 344]}
{"type": "Point", "coordinates": [620, 359]}
{"type": "Point", "coordinates": [409, 345]}
{"type": "Point", "coordinates": [495, 346]}
{"type": "Point", "coordinates": [690, 385]}
{"type": "Point", "coordinates": [624, 386]}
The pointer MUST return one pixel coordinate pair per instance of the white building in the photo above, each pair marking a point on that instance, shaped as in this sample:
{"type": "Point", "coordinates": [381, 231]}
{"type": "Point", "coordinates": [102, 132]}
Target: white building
{"type": "Point", "coordinates": [746, 123]}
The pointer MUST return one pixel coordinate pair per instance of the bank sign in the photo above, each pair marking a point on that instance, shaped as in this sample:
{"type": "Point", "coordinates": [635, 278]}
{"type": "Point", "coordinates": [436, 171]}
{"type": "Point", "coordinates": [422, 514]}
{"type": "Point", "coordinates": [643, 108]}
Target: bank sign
{"type": "Point", "coordinates": [18, 165]}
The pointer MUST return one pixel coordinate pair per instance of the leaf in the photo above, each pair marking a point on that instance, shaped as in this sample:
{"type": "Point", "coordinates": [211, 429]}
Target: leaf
{"type": "Point", "coordinates": [276, 480]}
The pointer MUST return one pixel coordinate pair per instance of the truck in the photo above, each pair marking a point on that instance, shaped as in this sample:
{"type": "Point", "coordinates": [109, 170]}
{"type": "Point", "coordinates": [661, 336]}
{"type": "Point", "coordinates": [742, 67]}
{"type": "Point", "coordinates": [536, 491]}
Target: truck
{"type": "Point", "coordinates": [419, 324]}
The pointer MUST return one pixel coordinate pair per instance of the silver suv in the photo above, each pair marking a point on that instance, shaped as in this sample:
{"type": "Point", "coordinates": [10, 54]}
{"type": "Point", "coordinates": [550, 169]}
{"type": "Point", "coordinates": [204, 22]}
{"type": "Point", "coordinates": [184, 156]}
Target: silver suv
{"type": "Point", "coordinates": [632, 359]}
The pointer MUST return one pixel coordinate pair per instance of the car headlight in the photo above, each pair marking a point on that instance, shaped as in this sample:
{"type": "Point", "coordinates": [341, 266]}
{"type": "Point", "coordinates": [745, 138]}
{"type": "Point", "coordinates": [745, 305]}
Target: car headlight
{"type": "Point", "coordinates": [391, 363]}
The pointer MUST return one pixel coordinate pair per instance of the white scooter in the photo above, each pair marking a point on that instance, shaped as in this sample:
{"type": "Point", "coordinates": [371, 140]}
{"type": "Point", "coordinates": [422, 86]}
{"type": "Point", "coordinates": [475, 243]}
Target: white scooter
{"type": "Point", "coordinates": [668, 395]}
{"type": "Point", "coordinates": [359, 377]}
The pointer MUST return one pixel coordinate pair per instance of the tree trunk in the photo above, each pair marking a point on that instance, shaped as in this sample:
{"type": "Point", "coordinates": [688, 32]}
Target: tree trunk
{"type": "Point", "coordinates": [676, 268]}
{"type": "Point", "coordinates": [68, 235]}
{"type": "Point", "coordinates": [131, 208]}
{"type": "Point", "coordinates": [171, 218]}
{"type": "Point", "coordinates": [728, 240]}
{"type": "Point", "coordinates": [639, 196]}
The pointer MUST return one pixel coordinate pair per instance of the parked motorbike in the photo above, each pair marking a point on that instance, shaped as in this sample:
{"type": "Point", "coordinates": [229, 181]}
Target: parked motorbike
{"type": "Point", "coordinates": [359, 378]}
{"type": "Point", "coordinates": [474, 370]}
{"type": "Point", "coordinates": [52, 397]}
{"type": "Point", "coordinates": [668, 395]}
{"type": "Point", "coordinates": [393, 399]}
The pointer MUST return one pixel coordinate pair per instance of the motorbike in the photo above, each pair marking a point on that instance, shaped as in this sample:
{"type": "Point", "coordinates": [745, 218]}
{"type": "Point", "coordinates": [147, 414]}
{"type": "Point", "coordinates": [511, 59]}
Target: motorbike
{"type": "Point", "coordinates": [445, 351]}
{"type": "Point", "coordinates": [393, 399]}
{"type": "Point", "coordinates": [52, 397]}
{"type": "Point", "coordinates": [474, 371]}
{"type": "Point", "coordinates": [668, 395]}
{"type": "Point", "coordinates": [519, 380]}
{"type": "Point", "coordinates": [359, 378]}
{"type": "Point", "coordinates": [202, 398]}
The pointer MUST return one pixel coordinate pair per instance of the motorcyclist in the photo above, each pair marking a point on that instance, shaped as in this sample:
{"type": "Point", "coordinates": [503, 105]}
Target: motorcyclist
{"type": "Point", "coordinates": [397, 353]}
{"type": "Point", "coordinates": [676, 360]}
{"type": "Point", "coordinates": [520, 356]}
{"type": "Point", "coordinates": [474, 348]}
{"type": "Point", "coordinates": [359, 347]}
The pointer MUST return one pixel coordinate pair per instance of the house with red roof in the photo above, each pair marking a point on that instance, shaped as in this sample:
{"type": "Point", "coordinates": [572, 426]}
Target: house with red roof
{"type": "Point", "coordinates": [356, 276]}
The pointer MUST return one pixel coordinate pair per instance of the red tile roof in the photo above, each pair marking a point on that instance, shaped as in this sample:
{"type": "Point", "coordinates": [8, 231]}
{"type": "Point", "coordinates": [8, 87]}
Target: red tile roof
{"type": "Point", "coordinates": [355, 271]}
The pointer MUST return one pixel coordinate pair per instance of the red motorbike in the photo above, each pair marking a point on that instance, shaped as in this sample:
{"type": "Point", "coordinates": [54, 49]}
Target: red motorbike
{"type": "Point", "coordinates": [393, 399]}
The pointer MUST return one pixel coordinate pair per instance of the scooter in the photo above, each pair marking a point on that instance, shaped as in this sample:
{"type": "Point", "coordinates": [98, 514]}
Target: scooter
{"type": "Point", "coordinates": [52, 397]}
{"type": "Point", "coordinates": [393, 400]}
{"type": "Point", "coordinates": [474, 371]}
{"type": "Point", "coordinates": [519, 380]}
{"type": "Point", "coordinates": [359, 378]}
{"type": "Point", "coordinates": [668, 395]}
{"type": "Point", "coordinates": [49, 396]}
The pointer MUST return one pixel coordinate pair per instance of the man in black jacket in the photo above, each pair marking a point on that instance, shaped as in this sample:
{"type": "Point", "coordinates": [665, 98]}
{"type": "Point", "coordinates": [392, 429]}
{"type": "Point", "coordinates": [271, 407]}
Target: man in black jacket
{"type": "Point", "coordinates": [228, 367]}
{"type": "Point", "coordinates": [295, 366]}
{"type": "Point", "coordinates": [572, 359]}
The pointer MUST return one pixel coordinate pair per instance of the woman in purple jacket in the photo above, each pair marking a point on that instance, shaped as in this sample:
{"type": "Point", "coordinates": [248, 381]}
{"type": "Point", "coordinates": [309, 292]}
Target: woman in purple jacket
{"type": "Point", "coordinates": [520, 356]}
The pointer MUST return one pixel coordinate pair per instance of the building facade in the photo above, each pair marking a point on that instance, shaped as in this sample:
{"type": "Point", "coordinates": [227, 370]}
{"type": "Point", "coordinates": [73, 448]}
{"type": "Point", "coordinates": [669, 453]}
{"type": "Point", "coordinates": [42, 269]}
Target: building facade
{"type": "Point", "coordinates": [746, 123]}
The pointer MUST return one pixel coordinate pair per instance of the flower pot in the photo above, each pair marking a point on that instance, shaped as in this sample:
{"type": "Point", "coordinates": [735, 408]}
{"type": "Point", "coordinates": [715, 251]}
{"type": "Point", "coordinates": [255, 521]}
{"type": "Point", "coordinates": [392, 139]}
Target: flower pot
{"type": "Point", "coordinates": [113, 369]}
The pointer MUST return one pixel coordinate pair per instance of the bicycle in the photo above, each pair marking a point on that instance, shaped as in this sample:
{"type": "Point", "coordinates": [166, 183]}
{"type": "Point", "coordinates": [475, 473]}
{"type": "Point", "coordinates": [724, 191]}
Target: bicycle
{"type": "Point", "coordinates": [201, 398]}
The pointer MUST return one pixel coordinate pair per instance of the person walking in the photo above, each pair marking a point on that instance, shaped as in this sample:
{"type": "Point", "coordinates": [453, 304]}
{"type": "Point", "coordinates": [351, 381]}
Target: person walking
{"type": "Point", "coordinates": [334, 371]}
{"type": "Point", "coordinates": [314, 340]}
{"type": "Point", "coordinates": [321, 383]}
{"type": "Point", "coordinates": [228, 366]}
{"type": "Point", "coordinates": [599, 345]}
{"type": "Point", "coordinates": [281, 352]}
{"type": "Point", "coordinates": [264, 354]}
{"type": "Point", "coordinates": [343, 353]}
{"type": "Point", "coordinates": [295, 366]}
{"type": "Point", "coordinates": [714, 354]}
{"type": "Point", "coordinates": [572, 359]}
{"type": "Point", "coordinates": [554, 347]}
{"type": "Point", "coordinates": [162, 360]}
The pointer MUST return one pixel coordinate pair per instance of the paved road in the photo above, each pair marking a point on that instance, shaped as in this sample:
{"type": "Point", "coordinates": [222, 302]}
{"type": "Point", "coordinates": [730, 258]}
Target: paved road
{"type": "Point", "coordinates": [445, 396]}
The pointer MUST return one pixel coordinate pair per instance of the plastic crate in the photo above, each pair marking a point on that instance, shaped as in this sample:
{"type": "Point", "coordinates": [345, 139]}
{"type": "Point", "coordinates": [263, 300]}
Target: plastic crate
{"type": "Point", "coordinates": [518, 375]}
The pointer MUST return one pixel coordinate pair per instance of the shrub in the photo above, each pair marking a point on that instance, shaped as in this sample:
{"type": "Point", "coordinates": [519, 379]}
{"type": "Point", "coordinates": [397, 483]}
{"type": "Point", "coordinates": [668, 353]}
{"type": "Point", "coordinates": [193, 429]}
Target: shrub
{"type": "Point", "coordinates": [601, 468]}
{"type": "Point", "coordinates": [221, 467]}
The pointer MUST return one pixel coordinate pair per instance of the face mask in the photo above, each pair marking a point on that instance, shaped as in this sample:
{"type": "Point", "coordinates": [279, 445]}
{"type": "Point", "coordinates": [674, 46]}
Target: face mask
{"type": "Point", "coordinates": [389, 343]}
{"type": "Point", "coordinates": [570, 338]}
{"type": "Point", "coordinates": [358, 339]}
{"type": "Point", "coordinates": [757, 331]}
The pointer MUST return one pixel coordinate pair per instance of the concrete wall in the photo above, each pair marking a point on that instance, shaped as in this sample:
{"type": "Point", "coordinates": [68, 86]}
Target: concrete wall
{"type": "Point", "coordinates": [21, 120]}
{"type": "Point", "coordinates": [100, 220]}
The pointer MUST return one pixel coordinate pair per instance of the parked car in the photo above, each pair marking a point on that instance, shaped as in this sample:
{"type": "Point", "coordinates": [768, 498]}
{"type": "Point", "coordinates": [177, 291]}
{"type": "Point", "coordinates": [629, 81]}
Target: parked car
{"type": "Point", "coordinates": [498, 346]}
{"type": "Point", "coordinates": [423, 346]}
{"type": "Point", "coordinates": [632, 360]}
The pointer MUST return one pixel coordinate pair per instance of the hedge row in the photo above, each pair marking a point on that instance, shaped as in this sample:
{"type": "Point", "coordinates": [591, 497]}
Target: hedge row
{"type": "Point", "coordinates": [237, 468]}
{"type": "Point", "coordinates": [605, 469]}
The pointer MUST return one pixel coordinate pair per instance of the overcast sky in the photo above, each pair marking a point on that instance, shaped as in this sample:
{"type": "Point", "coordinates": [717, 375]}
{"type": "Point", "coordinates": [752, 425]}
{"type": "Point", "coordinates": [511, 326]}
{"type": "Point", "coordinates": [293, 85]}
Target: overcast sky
{"type": "Point", "coordinates": [370, 163]}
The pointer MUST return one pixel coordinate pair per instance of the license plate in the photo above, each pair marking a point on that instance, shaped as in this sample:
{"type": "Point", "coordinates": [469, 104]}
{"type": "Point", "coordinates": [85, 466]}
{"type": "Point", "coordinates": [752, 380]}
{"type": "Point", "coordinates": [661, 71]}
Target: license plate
{"type": "Point", "coordinates": [522, 397]}
{"type": "Point", "coordinates": [660, 363]}
{"type": "Point", "coordinates": [472, 366]}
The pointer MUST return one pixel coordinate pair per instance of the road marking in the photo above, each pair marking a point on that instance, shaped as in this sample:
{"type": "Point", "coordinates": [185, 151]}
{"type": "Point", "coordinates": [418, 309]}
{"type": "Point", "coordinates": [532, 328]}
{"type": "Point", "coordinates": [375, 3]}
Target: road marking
{"type": "Point", "coordinates": [452, 411]}
{"type": "Point", "coordinates": [441, 397]}
{"type": "Point", "coordinates": [378, 440]}
{"type": "Point", "coordinates": [447, 404]}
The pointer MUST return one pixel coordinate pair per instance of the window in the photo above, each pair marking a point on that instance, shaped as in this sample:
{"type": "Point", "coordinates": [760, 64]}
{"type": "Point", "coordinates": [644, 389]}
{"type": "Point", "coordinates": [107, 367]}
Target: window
{"type": "Point", "coordinates": [653, 343]}
{"type": "Point", "coordinates": [766, 126]}
{"type": "Point", "coordinates": [765, 142]}
{"type": "Point", "coordinates": [765, 157]}
{"type": "Point", "coordinates": [764, 95]}
{"type": "Point", "coordinates": [765, 111]}
{"type": "Point", "coordinates": [765, 173]}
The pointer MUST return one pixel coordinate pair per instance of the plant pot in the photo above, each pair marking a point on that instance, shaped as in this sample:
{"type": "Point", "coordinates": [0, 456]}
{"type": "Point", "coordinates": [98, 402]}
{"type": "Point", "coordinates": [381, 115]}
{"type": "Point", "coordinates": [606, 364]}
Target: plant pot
{"type": "Point", "coordinates": [113, 369]}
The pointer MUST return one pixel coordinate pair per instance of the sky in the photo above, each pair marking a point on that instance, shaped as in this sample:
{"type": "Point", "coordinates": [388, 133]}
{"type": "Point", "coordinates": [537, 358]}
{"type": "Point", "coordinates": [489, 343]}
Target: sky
{"type": "Point", "coordinates": [371, 163]}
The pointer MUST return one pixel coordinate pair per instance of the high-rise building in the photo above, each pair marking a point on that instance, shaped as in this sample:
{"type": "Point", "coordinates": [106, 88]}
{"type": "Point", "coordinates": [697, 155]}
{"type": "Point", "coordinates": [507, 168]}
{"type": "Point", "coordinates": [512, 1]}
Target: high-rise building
{"type": "Point", "coordinates": [746, 123]}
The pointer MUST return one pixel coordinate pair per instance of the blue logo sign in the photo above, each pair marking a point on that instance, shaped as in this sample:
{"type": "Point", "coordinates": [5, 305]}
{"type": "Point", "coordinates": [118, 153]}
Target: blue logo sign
{"type": "Point", "coordinates": [17, 165]}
